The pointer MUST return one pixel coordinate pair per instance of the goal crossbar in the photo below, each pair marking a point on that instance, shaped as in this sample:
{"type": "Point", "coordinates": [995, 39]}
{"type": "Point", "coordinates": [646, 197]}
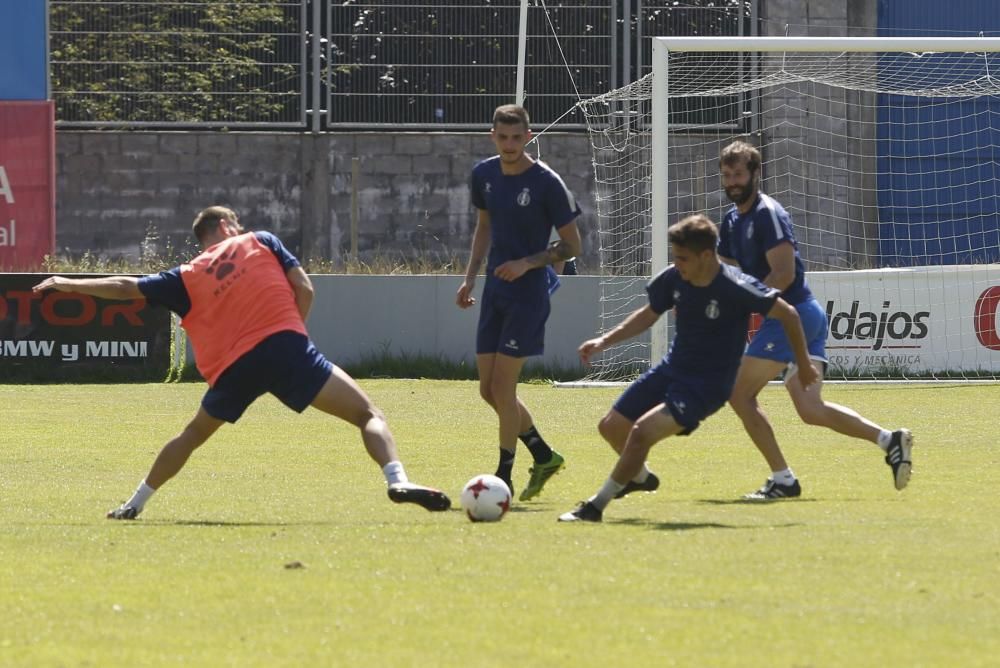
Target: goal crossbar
{"type": "Point", "coordinates": [831, 44]}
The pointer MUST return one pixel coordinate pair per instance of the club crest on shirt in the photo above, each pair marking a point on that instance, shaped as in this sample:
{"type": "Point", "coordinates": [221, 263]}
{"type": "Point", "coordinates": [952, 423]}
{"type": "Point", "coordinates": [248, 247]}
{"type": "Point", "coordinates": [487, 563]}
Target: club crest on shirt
{"type": "Point", "coordinates": [712, 310]}
{"type": "Point", "coordinates": [488, 187]}
{"type": "Point", "coordinates": [524, 197]}
{"type": "Point", "coordinates": [677, 296]}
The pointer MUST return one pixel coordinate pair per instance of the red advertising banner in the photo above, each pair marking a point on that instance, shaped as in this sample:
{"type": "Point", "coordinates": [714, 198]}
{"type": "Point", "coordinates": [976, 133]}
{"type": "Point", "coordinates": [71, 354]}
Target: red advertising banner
{"type": "Point", "coordinates": [27, 184]}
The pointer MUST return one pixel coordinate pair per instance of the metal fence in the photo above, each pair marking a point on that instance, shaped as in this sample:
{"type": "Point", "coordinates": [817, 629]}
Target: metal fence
{"type": "Point", "coordinates": [452, 63]}
{"type": "Point", "coordinates": [193, 62]}
{"type": "Point", "coordinates": [375, 64]}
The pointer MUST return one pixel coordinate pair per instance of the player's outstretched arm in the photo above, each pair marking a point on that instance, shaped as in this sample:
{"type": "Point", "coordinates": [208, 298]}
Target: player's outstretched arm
{"type": "Point", "coordinates": [639, 321]}
{"type": "Point", "coordinates": [790, 322]}
{"type": "Point", "coordinates": [109, 287]}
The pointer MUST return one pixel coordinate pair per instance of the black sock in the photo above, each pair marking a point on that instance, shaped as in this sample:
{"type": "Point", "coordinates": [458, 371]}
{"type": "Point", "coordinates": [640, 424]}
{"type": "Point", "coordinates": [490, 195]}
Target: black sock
{"type": "Point", "coordinates": [540, 450]}
{"type": "Point", "coordinates": [506, 464]}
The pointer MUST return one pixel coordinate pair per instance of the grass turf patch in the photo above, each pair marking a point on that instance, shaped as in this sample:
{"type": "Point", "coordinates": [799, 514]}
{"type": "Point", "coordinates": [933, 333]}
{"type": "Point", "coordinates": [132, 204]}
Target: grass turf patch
{"type": "Point", "coordinates": [854, 573]}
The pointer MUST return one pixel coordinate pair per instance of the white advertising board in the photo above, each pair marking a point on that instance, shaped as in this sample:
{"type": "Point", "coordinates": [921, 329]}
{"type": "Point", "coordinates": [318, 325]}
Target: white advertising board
{"type": "Point", "coordinates": [911, 321]}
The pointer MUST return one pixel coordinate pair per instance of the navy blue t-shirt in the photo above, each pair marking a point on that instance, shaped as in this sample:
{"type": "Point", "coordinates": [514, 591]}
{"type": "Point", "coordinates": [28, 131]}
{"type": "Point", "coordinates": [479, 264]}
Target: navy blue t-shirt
{"type": "Point", "coordinates": [746, 238]}
{"type": "Point", "coordinates": [710, 326]}
{"type": "Point", "coordinates": [524, 209]}
{"type": "Point", "coordinates": [167, 287]}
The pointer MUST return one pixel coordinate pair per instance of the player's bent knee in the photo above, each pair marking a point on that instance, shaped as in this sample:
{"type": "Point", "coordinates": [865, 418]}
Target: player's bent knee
{"type": "Point", "coordinates": [362, 416]}
{"type": "Point", "coordinates": [607, 428]}
{"type": "Point", "coordinates": [642, 437]}
{"type": "Point", "coordinates": [614, 428]}
{"type": "Point", "coordinates": [501, 389]}
{"type": "Point", "coordinates": [604, 429]}
{"type": "Point", "coordinates": [372, 412]}
{"type": "Point", "coordinates": [742, 404]}
{"type": "Point", "coordinates": [812, 415]}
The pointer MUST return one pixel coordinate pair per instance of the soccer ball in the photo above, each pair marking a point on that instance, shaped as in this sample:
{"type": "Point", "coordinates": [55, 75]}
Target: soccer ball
{"type": "Point", "coordinates": [486, 498]}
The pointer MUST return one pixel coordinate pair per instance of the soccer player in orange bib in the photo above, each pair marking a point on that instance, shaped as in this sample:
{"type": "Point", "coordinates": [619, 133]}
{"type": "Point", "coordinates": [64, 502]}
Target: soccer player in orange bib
{"type": "Point", "coordinates": [243, 302]}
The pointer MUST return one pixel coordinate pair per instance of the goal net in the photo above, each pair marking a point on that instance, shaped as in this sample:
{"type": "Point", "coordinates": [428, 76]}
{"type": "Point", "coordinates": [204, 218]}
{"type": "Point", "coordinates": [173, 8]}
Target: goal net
{"type": "Point", "coordinates": [885, 153]}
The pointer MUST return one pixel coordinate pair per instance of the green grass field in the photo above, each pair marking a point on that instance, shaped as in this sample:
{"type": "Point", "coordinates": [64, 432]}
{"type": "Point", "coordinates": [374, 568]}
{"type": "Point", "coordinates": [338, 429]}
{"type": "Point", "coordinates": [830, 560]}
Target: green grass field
{"type": "Point", "coordinates": [853, 574]}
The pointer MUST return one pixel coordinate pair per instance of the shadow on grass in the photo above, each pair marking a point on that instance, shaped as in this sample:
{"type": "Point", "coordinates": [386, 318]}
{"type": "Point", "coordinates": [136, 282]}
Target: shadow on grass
{"type": "Point", "coordinates": [752, 502]}
{"type": "Point", "coordinates": [531, 509]}
{"type": "Point", "coordinates": [224, 523]}
{"type": "Point", "coordinates": [687, 526]}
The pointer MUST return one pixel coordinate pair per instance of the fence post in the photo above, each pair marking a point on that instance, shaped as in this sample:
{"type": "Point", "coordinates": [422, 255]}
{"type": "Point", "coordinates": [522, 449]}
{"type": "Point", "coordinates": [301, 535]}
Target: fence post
{"type": "Point", "coordinates": [355, 175]}
{"type": "Point", "coordinates": [317, 65]}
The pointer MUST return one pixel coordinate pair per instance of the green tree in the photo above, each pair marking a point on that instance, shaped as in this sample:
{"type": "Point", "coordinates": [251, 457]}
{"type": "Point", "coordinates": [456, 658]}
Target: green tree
{"type": "Point", "coordinates": [166, 62]}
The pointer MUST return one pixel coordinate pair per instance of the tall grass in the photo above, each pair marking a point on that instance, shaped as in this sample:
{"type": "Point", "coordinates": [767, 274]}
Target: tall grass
{"type": "Point", "coordinates": [388, 263]}
{"type": "Point", "coordinates": [155, 256]}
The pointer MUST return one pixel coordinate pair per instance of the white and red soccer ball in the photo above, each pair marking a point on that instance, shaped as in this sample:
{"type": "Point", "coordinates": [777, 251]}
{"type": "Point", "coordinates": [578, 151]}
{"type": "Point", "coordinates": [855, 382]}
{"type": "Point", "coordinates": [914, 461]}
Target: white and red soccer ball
{"type": "Point", "coordinates": [486, 498]}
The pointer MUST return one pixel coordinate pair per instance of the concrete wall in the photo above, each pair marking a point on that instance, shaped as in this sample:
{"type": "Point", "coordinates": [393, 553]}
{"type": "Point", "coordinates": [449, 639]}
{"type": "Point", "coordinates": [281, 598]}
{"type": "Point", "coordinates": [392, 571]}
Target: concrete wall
{"type": "Point", "coordinates": [357, 315]}
{"type": "Point", "coordinates": [115, 188]}
{"type": "Point", "coordinates": [835, 210]}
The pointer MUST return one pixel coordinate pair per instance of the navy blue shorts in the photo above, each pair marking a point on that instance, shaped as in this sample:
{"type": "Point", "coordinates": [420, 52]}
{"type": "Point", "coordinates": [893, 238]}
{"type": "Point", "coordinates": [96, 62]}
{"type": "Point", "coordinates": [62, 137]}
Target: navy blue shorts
{"type": "Point", "coordinates": [514, 327]}
{"type": "Point", "coordinates": [285, 364]}
{"type": "Point", "coordinates": [689, 402]}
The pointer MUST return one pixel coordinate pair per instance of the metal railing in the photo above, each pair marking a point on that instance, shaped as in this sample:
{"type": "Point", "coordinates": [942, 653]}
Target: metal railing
{"type": "Point", "coordinates": [451, 64]}
{"type": "Point", "coordinates": [193, 62]}
{"type": "Point", "coordinates": [377, 64]}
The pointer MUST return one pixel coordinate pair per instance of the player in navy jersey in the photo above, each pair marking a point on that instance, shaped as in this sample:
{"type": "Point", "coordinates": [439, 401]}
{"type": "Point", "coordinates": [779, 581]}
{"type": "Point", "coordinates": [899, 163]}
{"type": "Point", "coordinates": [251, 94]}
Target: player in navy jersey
{"type": "Point", "coordinates": [519, 201]}
{"type": "Point", "coordinates": [243, 302]}
{"type": "Point", "coordinates": [712, 303]}
{"type": "Point", "coordinates": [756, 235]}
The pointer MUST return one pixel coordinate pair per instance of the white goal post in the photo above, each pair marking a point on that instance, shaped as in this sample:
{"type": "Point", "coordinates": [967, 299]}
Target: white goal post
{"type": "Point", "coordinates": [886, 153]}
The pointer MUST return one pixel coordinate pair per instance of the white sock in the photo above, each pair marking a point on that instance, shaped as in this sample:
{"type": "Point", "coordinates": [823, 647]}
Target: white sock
{"type": "Point", "coordinates": [641, 476]}
{"type": "Point", "coordinates": [394, 473]}
{"type": "Point", "coordinates": [607, 492]}
{"type": "Point", "coordinates": [784, 477]}
{"type": "Point", "coordinates": [884, 438]}
{"type": "Point", "coordinates": [141, 496]}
